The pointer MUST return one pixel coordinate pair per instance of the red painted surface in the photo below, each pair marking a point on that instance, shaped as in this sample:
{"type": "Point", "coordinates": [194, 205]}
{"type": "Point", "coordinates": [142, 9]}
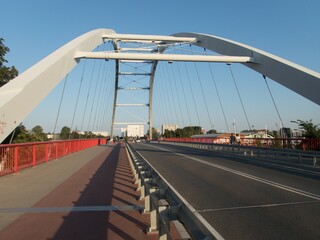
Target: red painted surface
{"type": "Point", "coordinates": [14, 157]}
{"type": "Point", "coordinates": [106, 180]}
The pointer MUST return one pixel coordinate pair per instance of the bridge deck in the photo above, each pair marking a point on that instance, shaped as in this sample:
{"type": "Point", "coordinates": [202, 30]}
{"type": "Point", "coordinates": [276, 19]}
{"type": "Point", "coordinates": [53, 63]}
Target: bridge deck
{"type": "Point", "coordinates": [86, 195]}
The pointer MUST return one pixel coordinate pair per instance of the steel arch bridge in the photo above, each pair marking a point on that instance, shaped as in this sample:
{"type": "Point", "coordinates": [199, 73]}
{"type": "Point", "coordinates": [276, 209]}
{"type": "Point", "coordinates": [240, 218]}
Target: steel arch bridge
{"type": "Point", "coordinates": [47, 73]}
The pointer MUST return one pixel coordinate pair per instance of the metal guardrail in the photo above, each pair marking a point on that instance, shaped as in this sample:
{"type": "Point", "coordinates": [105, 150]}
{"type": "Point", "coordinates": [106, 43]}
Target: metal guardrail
{"type": "Point", "coordinates": [165, 204]}
{"type": "Point", "coordinates": [300, 158]}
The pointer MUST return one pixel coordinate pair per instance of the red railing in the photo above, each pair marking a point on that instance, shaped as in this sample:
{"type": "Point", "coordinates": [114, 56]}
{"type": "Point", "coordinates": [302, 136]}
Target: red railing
{"type": "Point", "coordinates": [295, 143]}
{"type": "Point", "coordinates": [14, 157]}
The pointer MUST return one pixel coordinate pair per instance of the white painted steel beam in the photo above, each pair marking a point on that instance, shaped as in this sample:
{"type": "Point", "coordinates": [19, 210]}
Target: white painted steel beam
{"type": "Point", "coordinates": [136, 49]}
{"type": "Point", "coordinates": [133, 123]}
{"type": "Point", "coordinates": [164, 57]}
{"type": "Point", "coordinates": [138, 38]}
{"type": "Point", "coordinates": [131, 104]}
{"type": "Point", "coordinates": [133, 88]}
{"type": "Point", "coordinates": [136, 61]}
{"type": "Point", "coordinates": [134, 73]}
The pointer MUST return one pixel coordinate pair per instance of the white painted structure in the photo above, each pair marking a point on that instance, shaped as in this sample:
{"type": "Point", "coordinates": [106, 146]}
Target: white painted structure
{"type": "Point", "coordinates": [170, 127]}
{"type": "Point", "coordinates": [27, 90]}
{"type": "Point", "coordinates": [135, 130]}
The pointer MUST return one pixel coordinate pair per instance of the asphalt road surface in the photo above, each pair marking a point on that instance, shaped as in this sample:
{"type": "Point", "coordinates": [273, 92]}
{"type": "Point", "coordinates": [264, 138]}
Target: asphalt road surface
{"type": "Point", "coordinates": [241, 199]}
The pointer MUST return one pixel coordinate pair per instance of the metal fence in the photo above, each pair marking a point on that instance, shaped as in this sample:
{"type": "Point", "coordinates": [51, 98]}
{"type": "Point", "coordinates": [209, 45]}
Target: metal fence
{"type": "Point", "coordinates": [297, 157]}
{"type": "Point", "coordinates": [284, 143]}
{"type": "Point", "coordinates": [15, 157]}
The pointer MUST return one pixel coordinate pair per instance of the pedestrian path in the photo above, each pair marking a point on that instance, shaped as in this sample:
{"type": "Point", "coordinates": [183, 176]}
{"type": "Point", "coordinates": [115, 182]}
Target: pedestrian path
{"type": "Point", "coordinates": [85, 195]}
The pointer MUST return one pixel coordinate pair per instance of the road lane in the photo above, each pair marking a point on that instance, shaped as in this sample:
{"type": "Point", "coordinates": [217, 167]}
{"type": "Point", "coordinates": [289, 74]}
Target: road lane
{"type": "Point", "coordinates": [241, 200]}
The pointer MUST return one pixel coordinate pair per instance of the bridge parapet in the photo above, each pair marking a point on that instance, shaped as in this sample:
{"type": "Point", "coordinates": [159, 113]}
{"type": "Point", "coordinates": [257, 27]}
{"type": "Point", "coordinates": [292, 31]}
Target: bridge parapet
{"type": "Point", "coordinates": [15, 157]}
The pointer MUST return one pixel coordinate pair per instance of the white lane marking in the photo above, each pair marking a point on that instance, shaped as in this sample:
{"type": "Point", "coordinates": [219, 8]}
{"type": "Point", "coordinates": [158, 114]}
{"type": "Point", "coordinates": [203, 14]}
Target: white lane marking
{"type": "Point", "coordinates": [258, 179]}
{"type": "Point", "coordinates": [256, 206]}
{"type": "Point", "coordinates": [71, 209]}
{"type": "Point", "coordinates": [213, 231]}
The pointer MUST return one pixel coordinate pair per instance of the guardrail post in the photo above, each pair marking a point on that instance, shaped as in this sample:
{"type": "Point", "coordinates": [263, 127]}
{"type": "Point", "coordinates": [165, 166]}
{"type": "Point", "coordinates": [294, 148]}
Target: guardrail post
{"type": "Point", "coordinates": [153, 210]}
{"type": "Point", "coordinates": [164, 228]}
{"type": "Point", "coordinates": [34, 155]}
{"type": "Point", "coordinates": [15, 160]}
{"type": "Point", "coordinates": [47, 152]}
{"type": "Point", "coordinates": [147, 199]}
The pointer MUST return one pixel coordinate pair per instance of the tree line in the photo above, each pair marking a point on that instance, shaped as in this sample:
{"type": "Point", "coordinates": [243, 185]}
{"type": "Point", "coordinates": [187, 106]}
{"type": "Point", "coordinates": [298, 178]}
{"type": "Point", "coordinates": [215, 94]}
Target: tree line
{"type": "Point", "coordinates": [22, 135]}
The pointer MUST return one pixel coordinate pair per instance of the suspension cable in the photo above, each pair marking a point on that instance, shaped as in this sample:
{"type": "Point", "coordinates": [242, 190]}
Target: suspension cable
{"type": "Point", "coordinates": [244, 111]}
{"type": "Point", "coordinates": [100, 83]}
{"type": "Point", "coordinates": [177, 92]}
{"type": "Point", "coordinates": [220, 102]}
{"type": "Point", "coordinates": [205, 102]}
{"type": "Point", "coordinates": [109, 89]}
{"type": "Point", "coordinates": [76, 106]}
{"type": "Point", "coordinates": [168, 109]}
{"type": "Point", "coordinates": [194, 101]}
{"type": "Point", "coordinates": [274, 103]}
{"type": "Point", "coordinates": [170, 89]}
{"type": "Point", "coordinates": [59, 108]}
{"type": "Point", "coordinates": [88, 95]}
{"type": "Point", "coordinates": [184, 95]}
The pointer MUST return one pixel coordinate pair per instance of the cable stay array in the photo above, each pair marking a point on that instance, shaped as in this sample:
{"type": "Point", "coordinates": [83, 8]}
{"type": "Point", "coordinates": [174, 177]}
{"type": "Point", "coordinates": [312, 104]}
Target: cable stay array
{"type": "Point", "coordinates": [137, 57]}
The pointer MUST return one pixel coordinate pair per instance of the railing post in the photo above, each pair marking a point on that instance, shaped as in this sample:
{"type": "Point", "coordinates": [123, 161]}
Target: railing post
{"type": "Point", "coordinates": [47, 152]}
{"type": "Point", "coordinates": [57, 147]}
{"type": "Point", "coordinates": [15, 161]}
{"type": "Point", "coordinates": [33, 155]}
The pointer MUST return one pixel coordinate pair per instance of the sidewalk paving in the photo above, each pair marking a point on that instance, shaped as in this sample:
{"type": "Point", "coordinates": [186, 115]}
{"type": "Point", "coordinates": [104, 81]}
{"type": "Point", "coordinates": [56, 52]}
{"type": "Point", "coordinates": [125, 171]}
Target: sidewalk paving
{"type": "Point", "coordinates": [85, 195]}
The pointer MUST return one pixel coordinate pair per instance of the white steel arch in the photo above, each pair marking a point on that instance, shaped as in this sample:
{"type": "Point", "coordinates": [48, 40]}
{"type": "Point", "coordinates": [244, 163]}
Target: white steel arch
{"type": "Point", "coordinates": [22, 94]}
{"type": "Point", "coordinates": [27, 90]}
{"type": "Point", "coordinates": [293, 76]}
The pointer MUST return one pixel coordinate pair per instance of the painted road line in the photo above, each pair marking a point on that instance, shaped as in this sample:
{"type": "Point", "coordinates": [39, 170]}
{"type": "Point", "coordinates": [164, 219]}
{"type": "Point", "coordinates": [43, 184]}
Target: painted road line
{"type": "Point", "coordinates": [256, 206]}
{"type": "Point", "coordinates": [246, 175]}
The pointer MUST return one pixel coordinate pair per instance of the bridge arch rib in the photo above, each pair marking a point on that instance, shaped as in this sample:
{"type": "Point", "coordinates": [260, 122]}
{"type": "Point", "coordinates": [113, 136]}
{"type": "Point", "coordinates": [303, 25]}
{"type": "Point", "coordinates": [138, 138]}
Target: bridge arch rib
{"type": "Point", "coordinates": [27, 90]}
{"type": "Point", "coordinates": [36, 83]}
{"type": "Point", "coordinates": [293, 76]}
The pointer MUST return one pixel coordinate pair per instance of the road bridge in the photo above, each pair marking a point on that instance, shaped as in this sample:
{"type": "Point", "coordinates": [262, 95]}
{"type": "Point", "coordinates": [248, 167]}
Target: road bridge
{"type": "Point", "coordinates": [65, 197]}
{"type": "Point", "coordinates": [92, 194]}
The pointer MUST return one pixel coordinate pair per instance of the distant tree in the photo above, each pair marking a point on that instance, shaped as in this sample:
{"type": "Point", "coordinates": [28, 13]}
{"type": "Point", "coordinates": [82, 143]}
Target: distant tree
{"type": "Point", "coordinates": [308, 128]}
{"type": "Point", "coordinates": [65, 132]}
{"type": "Point", "coordinates": [183, 132]}
{"type": "Point", "coordinates": [75, 135]}
{"type": "Point", "coordinates": [212, 131]}
{"type": "Point", "coordinates": [169, 133]}
{"type": "Point", "coordinates": [192, 130]}
{"type": "Point", "coordinates": [155, 134]}
{"type": "Point", "coordinates": [6, 73]}
{"type": "Point", "coordinates": [38, 133]}
{"type": "Point", "coordinates": [20, 135]}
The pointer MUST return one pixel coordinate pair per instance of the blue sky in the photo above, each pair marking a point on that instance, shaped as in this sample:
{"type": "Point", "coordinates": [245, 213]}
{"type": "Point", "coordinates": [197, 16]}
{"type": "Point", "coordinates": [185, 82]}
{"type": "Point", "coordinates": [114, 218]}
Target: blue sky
{"type": "Point", "coordinates": [289, 28]}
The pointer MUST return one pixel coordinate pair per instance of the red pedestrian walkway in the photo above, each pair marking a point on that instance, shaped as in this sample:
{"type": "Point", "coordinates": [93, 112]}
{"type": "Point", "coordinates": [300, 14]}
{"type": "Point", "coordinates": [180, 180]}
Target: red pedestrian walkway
{"type": "Point", "coordinates": [99, 201]}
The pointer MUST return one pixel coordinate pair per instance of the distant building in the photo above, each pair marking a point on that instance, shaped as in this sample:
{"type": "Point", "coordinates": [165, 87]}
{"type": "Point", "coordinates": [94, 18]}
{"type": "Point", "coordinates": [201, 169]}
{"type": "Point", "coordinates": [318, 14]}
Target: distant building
{"type": "Point", "coordinates": [123, 132]}
{"type": "Point", "coordinates": [170, 127]}
{"type": "Point", "coordinates": [135, 130]}
{"type": "Point", "coordinates": [104, 134]}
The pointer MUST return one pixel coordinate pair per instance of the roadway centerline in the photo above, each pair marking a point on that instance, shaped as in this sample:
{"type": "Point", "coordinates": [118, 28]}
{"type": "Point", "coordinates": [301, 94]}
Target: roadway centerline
{"type": "Point", "coordinates": [71, 209]}
{"type": "Point", "coordinates": [246, 175]}
{"type": "Point", "coordinates": [257, 206]}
